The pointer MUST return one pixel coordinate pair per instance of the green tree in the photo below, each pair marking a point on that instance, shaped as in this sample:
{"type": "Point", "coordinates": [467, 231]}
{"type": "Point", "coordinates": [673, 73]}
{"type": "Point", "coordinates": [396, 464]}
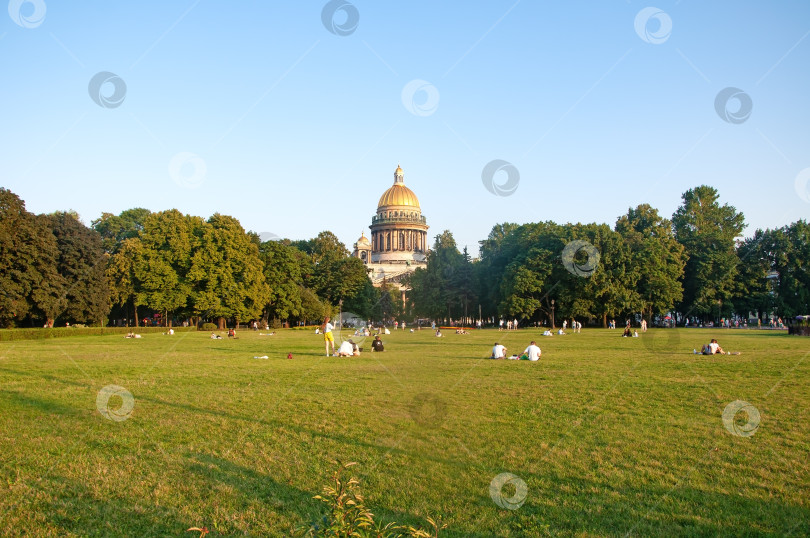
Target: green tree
{"type": "Point", "coordinates": [283, 272]}
{"type": "Point", "coordinates": [363, 302]}
{"type": "Point", "coordinates": [123, 275]}
{"type": "Point", "coordinates": [312, 308]}
{"type": "Point", "coordinates": [464, 285]}
{"type": "Point", "coordinates": [389, 304]}
{"type": "Point", "coordinates": [82, 264]}
{"type": "Point", "coordinates": [29, 280]}
{"type": "Point", "coordinates": [435, 289]}
{"type": "Point", "coordinates": [226, 272]}
{"type": "Point", "coordinates": [520, 270]}
{"type": "Point", "coordinates": [335, 275]}
{"type": "Point", "coordinates": [167, 240]}
{"type": "Point", "coordinates": [707, 230]}
{"type": "Point", "coordinates": [774, 272]}
{"type": "Point", "coordinates": [490, 268]}
{"type": "Point", "coordinates": [114, 229]}
{"type": "Point", "coordinates": [611, 289]}
{"type": "Point", "coordinates": [794, 274]}
{"type": "Point", "coordinates": [524, 283]}
{"type": "Point", "coordinates": [657, 259]}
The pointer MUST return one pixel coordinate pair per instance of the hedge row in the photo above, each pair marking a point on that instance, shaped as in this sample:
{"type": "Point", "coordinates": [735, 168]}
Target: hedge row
{"type": "Point", "coordinates": [7, 335]}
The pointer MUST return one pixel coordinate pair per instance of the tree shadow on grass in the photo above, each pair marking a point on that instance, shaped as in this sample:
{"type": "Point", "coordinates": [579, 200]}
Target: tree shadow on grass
{"type": "Point", "coordinates": [272, 424]}
{"type": "Point", "coordinates": [301, 505]}
{"type": "Point", "coordinates": [74, 509]}
{"type": "Point", "coordinates": [574, 506]}
{"type": "Point", "coordinates": [49, 407]}
{"type": "Point", "coordinates": [210, 471]}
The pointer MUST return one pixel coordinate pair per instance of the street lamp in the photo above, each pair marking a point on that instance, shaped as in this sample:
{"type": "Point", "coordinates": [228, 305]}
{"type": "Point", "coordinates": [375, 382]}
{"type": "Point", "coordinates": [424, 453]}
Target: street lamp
{"type": "Point", "coordinates": [552, 314]}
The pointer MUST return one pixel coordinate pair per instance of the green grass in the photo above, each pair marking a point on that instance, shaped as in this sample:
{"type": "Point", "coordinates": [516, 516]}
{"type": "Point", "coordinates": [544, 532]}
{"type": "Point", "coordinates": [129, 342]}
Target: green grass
{"type": "Point", "coordinates": [611, 435]}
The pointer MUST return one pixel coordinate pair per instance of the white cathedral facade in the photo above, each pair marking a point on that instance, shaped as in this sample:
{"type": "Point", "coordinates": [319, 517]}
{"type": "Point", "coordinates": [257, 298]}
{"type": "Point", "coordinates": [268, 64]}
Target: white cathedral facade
{"type": "Point", "coordinates": [398, 242]}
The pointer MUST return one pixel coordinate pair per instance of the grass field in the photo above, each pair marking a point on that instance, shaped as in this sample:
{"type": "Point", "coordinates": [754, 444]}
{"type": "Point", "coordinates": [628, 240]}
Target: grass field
{"type": "Point", "coordinates": [611, 435]}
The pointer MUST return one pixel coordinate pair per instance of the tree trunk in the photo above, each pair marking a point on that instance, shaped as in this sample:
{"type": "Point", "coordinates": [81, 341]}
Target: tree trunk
{"type": "Point", "coordinates": [135, 307]}
{"type": "Point", "coordinates": [49, 323]}
{"type": "Point", "coordinates": [221, 323]}
{"type": "Point", "coordinates": [604, 321]}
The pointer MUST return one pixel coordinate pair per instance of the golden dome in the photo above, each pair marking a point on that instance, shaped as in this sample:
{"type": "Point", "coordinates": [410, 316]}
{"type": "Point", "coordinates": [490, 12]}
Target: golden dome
{"type": "Point", "coordinates": [363, 240]}
{"type": "Point", "coordinates": [398, 195]}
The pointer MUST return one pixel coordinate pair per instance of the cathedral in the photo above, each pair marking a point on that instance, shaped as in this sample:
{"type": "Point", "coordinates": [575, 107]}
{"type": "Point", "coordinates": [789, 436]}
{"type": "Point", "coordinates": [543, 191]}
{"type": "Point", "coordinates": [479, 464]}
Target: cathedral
{"type": "Point", "coordinates": [399, 242]}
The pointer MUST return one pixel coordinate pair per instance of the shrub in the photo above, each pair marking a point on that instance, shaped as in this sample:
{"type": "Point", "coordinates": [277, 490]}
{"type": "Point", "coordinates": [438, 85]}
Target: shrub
{"type": "Point", "coordinates": [208, 327]}
{"type": "Point", "coordinates": [348, 516]}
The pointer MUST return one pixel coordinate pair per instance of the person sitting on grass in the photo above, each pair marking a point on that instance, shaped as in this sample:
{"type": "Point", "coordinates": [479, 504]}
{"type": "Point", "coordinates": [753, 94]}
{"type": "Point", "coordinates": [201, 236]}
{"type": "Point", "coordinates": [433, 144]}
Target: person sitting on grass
{"type": "Point", "coordinates": [438, 333]}
{"type": "Point", "coordinates": [231, 333]}
{"type": "Point", "coordinates": [713, 348]}
{"type": "Point", "coordinates": [532, 352]}
{"type": "Point", "coordinates": [548, 333]}
{"type": "Point", "coordinates": [346, 349]}
{"type": "Point", "coordinates": [627, 332]}
{"type": "Point", "coordinates": [377, 344]}
{"type": "Point", "coordinates": [498, 351]}
{"type": "Point", "coordinates": [215, 336]}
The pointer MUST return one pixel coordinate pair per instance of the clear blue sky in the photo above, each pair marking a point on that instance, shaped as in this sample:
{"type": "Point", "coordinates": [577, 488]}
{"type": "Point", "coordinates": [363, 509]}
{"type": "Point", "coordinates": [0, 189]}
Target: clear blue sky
{"type": "Point", "coordinates": [300, 129]}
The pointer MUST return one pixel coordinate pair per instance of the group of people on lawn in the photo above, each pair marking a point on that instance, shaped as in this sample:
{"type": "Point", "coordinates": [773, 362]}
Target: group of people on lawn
{"type": "Point", "coordinates": [349, 348]}
{"type": "Point", "coordinates": [531, 353]}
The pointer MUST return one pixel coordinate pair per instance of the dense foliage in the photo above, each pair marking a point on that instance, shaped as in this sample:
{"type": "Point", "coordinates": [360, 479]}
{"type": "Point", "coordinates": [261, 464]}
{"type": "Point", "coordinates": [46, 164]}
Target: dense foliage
{"type": "Point", "coordinates": [167, 266]}
{"type": "Point", "coordinates": [695, 266]}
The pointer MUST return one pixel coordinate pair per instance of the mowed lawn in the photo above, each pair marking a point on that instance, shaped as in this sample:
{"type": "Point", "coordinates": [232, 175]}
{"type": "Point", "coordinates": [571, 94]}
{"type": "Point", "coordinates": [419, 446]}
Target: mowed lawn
{"type": "Point", "coordinates": [611, 435]}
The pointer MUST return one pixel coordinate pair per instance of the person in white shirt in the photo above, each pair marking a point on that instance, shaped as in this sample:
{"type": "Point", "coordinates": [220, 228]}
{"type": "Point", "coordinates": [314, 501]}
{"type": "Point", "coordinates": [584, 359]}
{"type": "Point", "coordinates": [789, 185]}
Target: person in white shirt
{"type": "Point", "coordinates": [498, 351]}
{"type": "Point", "coordinates": [533, 352]}
{"type": "Point", "coordinates": [326, 329]}
{"type": "Point", "coordinates": [713, 348]}
{"type": "Point", "coordinates": [346, 349]}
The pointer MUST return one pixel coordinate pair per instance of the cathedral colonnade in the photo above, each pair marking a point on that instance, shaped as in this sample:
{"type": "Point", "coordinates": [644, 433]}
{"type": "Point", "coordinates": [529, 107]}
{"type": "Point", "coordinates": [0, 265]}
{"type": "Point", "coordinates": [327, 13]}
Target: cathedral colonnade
{"type": "Point", "coordinates": [393, 239]}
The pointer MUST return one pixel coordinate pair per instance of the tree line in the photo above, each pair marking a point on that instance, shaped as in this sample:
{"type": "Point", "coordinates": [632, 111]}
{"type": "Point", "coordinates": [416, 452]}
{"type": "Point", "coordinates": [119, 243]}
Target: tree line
{"type": "Point", "coordinates": [140, 264]}
{"type": "Point", "coordinates": [693, 266]}
{"type": "Point", "coordinates": [171, 266]}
